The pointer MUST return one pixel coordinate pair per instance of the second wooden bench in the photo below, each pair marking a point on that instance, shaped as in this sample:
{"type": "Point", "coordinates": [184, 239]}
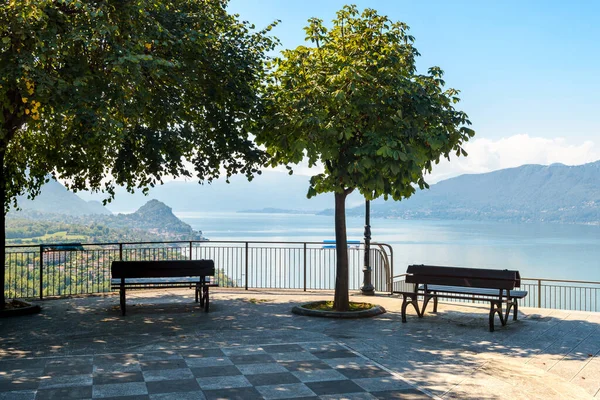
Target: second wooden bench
{"type": "Point", "coordinates": [433, 282]}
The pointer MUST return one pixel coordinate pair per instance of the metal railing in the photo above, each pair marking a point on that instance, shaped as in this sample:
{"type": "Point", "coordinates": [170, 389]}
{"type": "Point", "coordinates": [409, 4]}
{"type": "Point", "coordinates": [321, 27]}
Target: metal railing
{"type": "Point", "coordinates": [68, 269]}
{"type": "Point", "coordinates": [542, 293]}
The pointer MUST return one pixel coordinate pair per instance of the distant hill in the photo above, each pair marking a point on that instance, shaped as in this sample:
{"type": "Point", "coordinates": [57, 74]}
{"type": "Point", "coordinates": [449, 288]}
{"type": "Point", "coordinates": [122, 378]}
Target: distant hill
{"type": "Point", "coordinates": [55, 198]}
{"type": "Point", "coordinates": [152, 222]}
{"type": "Point", "coordinates": [269, 190]}
{"type": "Point", "coordinates": [532, 193]}
{"type": "Point", "coordinates": [152, 216]}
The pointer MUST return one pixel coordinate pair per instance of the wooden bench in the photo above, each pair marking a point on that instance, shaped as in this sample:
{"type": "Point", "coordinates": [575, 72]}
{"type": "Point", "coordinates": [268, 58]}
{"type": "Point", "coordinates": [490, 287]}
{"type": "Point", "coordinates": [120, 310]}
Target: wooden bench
{"type": "Point", "coordinates": [164, 274]}
{"type": "Point", "coordinates": [433, 282]}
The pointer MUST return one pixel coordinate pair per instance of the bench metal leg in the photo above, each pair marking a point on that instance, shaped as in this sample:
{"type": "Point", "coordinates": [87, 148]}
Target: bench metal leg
{"type": "Point", "coordinates": [516, 310]}
{"type": "Point", "coordinates": [435, 302]}
{"type": "Point", "coordinates": [496, 308]}
{"type": "Point", "coordinates": [205, 299]}
{"type": "Point", "coordinates": [414, 302]}
{"type": "Point", "coordinates": [122, 300]}
{"type": "Point", "coordinates": [197, 291]}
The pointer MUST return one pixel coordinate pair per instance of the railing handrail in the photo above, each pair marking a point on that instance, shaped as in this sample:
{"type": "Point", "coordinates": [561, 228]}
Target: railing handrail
{"type": "Point", "coordinates": [178, 241]}
{"type": "Point", "coordinates": [560, 280]}
{"type": "Point", "coordinates": [535, 279]}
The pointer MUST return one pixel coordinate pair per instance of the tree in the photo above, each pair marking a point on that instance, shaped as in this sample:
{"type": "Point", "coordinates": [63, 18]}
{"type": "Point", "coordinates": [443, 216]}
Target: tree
{"type": "Point", "coordinates": [106, 93]}
{"type": "Point", "coordinates": [355, 103]}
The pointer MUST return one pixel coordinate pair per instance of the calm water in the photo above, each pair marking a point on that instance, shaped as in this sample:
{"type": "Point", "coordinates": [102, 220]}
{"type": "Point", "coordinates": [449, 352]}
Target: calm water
{"type": "Point", "coordinates": [537, 250]}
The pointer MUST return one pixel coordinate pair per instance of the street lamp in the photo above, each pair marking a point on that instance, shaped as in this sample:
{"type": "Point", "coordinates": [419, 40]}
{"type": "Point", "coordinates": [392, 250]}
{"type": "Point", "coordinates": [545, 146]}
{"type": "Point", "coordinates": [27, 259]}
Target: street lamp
{"type": "Point", "coordinates": [367, 288]}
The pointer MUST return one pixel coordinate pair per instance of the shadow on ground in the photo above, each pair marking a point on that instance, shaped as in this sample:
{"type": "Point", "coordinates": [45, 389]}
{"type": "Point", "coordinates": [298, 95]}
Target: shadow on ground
{"type": "Point", "coordinates": [546, 354]}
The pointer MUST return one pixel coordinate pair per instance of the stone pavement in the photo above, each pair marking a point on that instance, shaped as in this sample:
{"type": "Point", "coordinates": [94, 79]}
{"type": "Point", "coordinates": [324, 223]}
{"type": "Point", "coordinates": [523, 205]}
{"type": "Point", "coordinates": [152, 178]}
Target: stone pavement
{"type": "Point", "coordinates": [250, 342]}
{"type": "Point", "coordinates": [322, 370]}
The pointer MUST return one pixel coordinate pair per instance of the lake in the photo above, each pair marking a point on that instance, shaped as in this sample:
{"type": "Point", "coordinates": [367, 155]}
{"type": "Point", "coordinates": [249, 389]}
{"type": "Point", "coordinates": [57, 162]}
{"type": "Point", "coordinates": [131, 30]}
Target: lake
{"type": "Point", "coordinates": [536, 250]}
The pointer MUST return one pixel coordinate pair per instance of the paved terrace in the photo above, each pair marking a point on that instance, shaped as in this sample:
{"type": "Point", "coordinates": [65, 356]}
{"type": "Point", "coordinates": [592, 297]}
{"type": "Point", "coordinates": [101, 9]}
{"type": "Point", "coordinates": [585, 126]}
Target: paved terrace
{"type": "Point", "coordinates": [251, 346]}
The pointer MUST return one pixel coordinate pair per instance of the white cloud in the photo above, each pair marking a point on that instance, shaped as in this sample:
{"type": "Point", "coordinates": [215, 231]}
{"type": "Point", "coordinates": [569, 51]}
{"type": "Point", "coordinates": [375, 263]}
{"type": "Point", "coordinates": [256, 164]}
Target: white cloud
{"type": "Point", "coordinates": [487, 155]}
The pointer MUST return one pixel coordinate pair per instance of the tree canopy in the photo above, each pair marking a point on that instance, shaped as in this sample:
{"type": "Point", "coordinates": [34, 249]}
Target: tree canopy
{"type": "Point", "coordinates": [355, 103]}
{"type": "Point", "coordinates": [105, 93]}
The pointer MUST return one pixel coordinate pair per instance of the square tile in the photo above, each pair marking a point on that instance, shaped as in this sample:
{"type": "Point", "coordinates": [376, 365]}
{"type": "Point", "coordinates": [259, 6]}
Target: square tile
{"type": "Point", "coordinates": [319, 375]}
{"type": "Point", "coordinates": [226, 370]}
{"type": "Point", "coordinates": [116, 362]}
{"type": "Point", "coordinates": [382, 383]}
{"type": "Point", "coordinates": [285, 391]}
{"type": "Point", "coordinates": [18, 395]}
{"type": "Point", "coordinates": [312, 347]}
{"type": "Point", "coordinates": [244, 393]}
{"type": "Point", "coordinates": [363, 371]}
{"type": "Point", "coordinates": [208, 362]}
{"type": "Point", "coordinates": [174, 386]}
{"type": "Point", "coordinates": [69, 366]}
{"type": "Point", "coordinates": [159, 355]}
{"type": "Point", "coordinates": [243, 351]}
{"type": "Point", "coordinates": [405, 394]}
{"type": "Point", "coordinates": [167, 374]}
{"type": "Point", "coordinates": [349, 396]}
{"type": "Point", "coordinates": [19, 383]}
{"type": "Point", "coordinates": [251, 359]}
{"type": "Point", "coordinates": [328, 354]}
{"type": "Point", "coordinates": [78, 392]}
{"type": "Point", "coordinates": [272, 379]}
{"type": "Point", "coordinates": [105, 378]}
{"type": "Point", "coordinates": [308, 365]}
{"type": "Point", "coordinates": [223, 382]}
{"type": "Point", "coordinates": [119, 389]}
{"type": "Point", "coordinates": [197, 395]}
{"type": "Point", "coordinates": [283, 348]}
{"type": "Point", "coordinates": [294, 356]}
{"type": "Point", "coordinates": [269, 368]}
{"type": "Point", "coordinates": [347, 362]}
{"type": "Point", "coordinates": [334, 387]}
{"type": "Point", "coordinates": [202, 353]}
{"type": "Point", "coordinates": [163, 364]}
{"type": "Point", "coordinates": [55, 382]}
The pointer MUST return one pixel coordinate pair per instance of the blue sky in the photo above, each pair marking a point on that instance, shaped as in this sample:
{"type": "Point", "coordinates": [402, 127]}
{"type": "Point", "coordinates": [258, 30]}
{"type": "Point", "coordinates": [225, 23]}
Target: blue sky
{"type": "Point", "coordinates": [528, 70]}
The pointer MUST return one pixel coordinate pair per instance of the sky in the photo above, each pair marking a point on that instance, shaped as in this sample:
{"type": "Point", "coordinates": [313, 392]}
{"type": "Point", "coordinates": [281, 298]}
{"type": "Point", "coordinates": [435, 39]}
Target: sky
{"type": "Point", "coordinates": [528, 71]}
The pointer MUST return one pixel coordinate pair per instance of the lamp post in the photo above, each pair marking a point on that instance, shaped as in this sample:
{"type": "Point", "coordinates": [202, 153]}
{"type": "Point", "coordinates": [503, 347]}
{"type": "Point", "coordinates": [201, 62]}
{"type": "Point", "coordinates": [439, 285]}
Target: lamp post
{"type": "Point", "coordinates": [367, 288]}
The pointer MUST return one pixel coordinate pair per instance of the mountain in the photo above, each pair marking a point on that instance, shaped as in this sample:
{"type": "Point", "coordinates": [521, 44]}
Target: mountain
{"type": "Point", "coordinates": [531, 193]}
{"type": "Point", "coordinates": [152, 216]}
{"type": "Point", "coordinates": [268, 190]}
{"type": "Point", "coordinates": [55, 198]}
{"type": "Point", "coordinates": [152, 222]}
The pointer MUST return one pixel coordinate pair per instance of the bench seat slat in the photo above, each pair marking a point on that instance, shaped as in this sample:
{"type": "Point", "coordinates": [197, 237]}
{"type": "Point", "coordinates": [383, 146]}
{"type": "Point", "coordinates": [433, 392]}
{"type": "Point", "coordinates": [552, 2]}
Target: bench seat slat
{"type": "Point", "coordinates": [473, 291]}
{"type": "Point", "coordinates": [184, 279]}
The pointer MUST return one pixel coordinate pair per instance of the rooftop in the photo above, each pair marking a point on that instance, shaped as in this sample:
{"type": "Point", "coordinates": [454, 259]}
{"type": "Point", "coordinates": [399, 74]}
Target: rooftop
{"type": "Point", "coordinates": [250, 344]}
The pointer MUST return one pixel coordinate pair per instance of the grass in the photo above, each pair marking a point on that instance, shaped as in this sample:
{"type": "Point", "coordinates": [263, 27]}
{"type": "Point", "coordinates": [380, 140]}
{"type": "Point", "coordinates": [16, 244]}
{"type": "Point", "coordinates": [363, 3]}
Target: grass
{"type": "Point", "coordinates": [328, 306]}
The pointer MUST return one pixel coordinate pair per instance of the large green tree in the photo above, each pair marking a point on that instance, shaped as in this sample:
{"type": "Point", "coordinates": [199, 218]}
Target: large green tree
{"type": "Point", "coordinates": [354, 102]}
{"type": "Point", "coordinates": [111, 92]}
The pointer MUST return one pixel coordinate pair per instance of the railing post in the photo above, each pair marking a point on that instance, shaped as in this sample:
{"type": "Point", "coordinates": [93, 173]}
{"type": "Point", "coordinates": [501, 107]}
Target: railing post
{"type": "Point", "coordinates": [120, 251]}
{"type": "Point", "coordinates": [191, 258]}
{"type": "Point", "coordinates": [539, 293]}
{"type": "Point", "coordinates": [41, 272]}
{"type": "Point", "coordinates": [246, 269]}
{"type": "Point", "coordinates": [305, 266]}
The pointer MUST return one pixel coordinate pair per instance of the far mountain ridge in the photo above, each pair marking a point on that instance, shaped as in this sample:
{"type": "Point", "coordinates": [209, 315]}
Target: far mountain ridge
{"type": "Point", "coordinates": [55, 198]}
{"type": "Point", "coordinates": [542, 193]}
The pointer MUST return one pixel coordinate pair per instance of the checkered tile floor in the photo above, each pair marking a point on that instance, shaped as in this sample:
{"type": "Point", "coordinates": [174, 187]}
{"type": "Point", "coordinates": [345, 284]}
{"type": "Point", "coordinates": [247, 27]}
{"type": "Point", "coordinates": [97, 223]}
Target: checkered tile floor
{"type": "Point", "coordinates": [282, 371]}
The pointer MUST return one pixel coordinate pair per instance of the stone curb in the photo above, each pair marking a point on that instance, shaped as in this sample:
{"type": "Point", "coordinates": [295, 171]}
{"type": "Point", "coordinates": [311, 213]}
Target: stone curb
{"type": "Point", "coordinates": [17, 312]}
{"type": "Point", "coordinates": [372, 312]}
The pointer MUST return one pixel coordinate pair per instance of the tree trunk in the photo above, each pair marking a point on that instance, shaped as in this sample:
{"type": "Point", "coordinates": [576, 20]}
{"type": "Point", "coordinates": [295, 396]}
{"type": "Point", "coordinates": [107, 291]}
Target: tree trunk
{"type": "Point", "coordinates": [2, 232]}
{"type": "Point", "coordinates": [341, 297]}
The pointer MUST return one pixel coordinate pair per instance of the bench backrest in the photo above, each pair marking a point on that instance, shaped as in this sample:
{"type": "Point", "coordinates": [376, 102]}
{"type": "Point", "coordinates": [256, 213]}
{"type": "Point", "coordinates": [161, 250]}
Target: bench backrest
{"type": "Point", "coordinates": [162, 269]}
{"type": "Point", "coordinates": [468, 277]}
